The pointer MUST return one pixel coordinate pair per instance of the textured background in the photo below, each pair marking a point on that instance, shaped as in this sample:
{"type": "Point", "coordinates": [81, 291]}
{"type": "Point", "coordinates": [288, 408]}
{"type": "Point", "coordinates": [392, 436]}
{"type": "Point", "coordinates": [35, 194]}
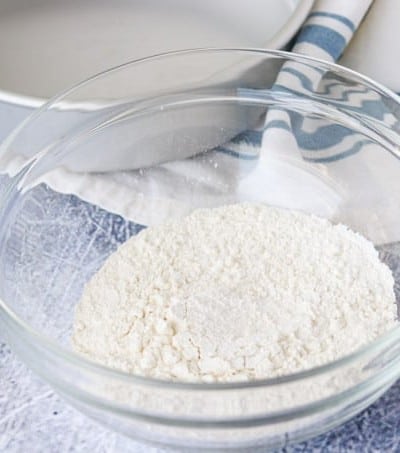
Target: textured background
{"type": "Point", "coordinates": [34, 419]}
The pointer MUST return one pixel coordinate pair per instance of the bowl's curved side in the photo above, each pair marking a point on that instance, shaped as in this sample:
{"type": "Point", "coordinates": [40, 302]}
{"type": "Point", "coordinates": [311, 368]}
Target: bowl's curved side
{"type": "Point", "coordinates": [248, 413]}
{"type": "Point", "coordinates": [201, 418]}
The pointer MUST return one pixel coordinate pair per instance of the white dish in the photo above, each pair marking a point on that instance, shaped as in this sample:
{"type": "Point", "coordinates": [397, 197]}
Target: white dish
{"type": "Point", "coordinates": [48, 45]}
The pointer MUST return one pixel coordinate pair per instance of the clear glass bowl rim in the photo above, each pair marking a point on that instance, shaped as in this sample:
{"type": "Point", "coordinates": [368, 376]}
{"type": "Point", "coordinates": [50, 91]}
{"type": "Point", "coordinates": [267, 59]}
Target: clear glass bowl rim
{"type": "Point", "coordinates": [389, 338]}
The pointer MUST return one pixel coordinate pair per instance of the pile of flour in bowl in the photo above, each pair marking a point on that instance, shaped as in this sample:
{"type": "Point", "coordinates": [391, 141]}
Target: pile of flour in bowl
{"type": "Point", "coordinates": [235, 293]}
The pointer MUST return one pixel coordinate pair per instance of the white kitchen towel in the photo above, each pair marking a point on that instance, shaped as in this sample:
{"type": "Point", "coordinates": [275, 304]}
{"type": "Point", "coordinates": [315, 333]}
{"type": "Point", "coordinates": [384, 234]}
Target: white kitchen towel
{"type": "Point", "coordinates": [280, 170]}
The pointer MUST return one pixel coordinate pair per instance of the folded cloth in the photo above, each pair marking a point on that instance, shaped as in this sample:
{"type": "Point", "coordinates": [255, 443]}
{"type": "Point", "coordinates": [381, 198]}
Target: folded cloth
{"type": "Point", "coordinates": [286, 143]}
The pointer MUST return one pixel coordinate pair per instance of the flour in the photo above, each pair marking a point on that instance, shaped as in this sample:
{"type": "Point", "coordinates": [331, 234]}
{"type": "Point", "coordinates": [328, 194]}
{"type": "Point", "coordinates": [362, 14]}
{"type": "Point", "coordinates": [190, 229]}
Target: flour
{"type": "Point", "coordinates": [238, 292]}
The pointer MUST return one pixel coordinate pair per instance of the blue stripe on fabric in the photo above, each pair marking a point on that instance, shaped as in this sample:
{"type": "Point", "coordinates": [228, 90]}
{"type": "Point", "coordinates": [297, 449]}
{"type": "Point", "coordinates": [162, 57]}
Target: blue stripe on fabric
{"type": "Point", "coordinates": [328, 88]}
{"type": "Point", "coordinates": [231, 152]}
{"type": "Point", "coordinates": [282, 88]}
{"type": "Point", "coordinates": [249, 136]}
{"type": "Point", "coordinates": [344, 20]}
{"type": "Point", "coordinates": [349, 152]}
{"type": "Point", "coordinates": [305, 81]}
{"type": "Point", "coordinates": [374, 107]}
{"type": "Point", "coordinates": [322, 138]}
{"type": "Point", "coordinates": [278, 124]}
{"type": "Point", "coordinates": [324, 37]}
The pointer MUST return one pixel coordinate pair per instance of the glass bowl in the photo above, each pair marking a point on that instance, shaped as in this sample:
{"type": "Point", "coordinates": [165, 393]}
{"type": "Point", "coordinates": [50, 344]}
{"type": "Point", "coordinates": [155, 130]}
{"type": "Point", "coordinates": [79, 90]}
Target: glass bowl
{"type": "Point", "coordinates": [191, 129]}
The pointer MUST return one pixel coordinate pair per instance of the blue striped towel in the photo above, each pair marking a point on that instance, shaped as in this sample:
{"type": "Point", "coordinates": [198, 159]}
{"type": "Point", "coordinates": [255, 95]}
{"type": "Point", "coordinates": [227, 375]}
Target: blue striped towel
{"type": "Point", "coordinates": [325, 35]}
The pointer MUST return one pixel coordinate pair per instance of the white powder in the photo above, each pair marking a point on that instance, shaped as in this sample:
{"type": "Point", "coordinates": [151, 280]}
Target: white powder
{"type": "Point", "coordinates": [235, 293]}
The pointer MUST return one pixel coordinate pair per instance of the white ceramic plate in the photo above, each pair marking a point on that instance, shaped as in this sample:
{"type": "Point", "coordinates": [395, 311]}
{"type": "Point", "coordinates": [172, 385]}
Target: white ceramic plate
{"type": "Point", "coordinates": [47, 45]}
